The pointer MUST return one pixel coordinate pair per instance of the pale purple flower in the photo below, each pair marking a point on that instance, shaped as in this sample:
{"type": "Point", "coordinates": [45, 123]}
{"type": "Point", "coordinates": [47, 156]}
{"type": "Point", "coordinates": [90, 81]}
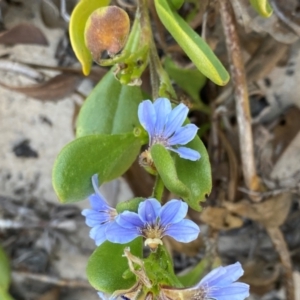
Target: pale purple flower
{"type": "Point", "coordinates": [153, 222]}
{"type": "Point", "coordinates": [219, 284]}
{"type": "Point", "coordinates": [101, 216]}
{"type": "Point", "coordinates": [164, 126]}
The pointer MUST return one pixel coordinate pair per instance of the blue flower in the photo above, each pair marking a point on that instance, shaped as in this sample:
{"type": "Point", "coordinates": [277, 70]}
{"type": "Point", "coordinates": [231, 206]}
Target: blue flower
{"type": "Point", "coordinates": [153, 222]}
{"type": "Point", "coordinates": [101, 216]}
{"type": "Point", "coordinates": [219, 284]}
{"type": "Point", "coordinates": [164, 126]}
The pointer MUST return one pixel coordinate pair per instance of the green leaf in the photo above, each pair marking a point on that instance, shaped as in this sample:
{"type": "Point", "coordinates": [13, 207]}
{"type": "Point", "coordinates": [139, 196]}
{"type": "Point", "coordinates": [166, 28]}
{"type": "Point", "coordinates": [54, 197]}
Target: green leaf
{"type": "Point", "coordinates": [78, 20]}
{"type": "Point", "coordinates": [190, 180]}
{"type": "Point", "coordinates": [196, 175]}
{"type": "Point", "coordinates": [192, 44]}
{"type": "Point", "coordinates": [189, 80]}
{"type": "Point", "coordinates": [5, 271]}
{"type": "Point", "coordinates": [131, 205]}
{"type": "Point", "coordinates": [165, 166]}
{"type": "Point", "coordinates": [133, 60]}
{"type": "Point", "coordinates": [4, 295]}
{"type": "Point", "coordinates": [262, 7]}
{"type": "Point", "coordinates": [111, 108]}
{"type": "Point", "coordinates": [176, 3]}
{"type": "Point", "coordinates": [107, 265]}
{"type": "Point", "coordinates": [194, 276]}
{"type": "Point", "coordinates": [159, 268]}
{"type": "Point", "coordinates": [107, 155]}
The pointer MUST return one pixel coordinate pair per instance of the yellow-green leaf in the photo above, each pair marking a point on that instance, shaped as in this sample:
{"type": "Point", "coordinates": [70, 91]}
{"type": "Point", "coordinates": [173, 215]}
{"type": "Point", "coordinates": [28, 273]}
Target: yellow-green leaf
{"type": "Point", "coordinates": [192, 44]}
{"type": "Point", "coordinates": [79, 17]}
{"type": "Point", "coordinates": [262, 7]}
{"type": "Point", "coordinates": [4, 295]}
{"type": "Point", "coordinates": [189, 80]}
{"type": "Point", "coordinates": [4, 271]}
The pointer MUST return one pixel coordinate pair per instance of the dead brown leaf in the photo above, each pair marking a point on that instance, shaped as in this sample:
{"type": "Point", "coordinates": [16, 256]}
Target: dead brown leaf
{"type": "Point", "coordinates": [272, 212]}
{"type": "Point", "coordinates": [285, 131]}
{"type": "Point", "coordinates": [261, 275]}
{"type": "Point", "coordinates": [220, 218]}
{"type": "Point", "coordinates": [23, 34]}
{"type": "Point", "coordinates": [190, 249]}
{"type": "Point", "coordinates": [52, 294]}
{"type": "Point", "coordinates": [57, 88]}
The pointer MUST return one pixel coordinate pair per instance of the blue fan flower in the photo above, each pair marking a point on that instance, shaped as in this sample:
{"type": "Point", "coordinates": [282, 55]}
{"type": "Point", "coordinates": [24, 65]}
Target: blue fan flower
{"type": "Point", "coordinates": [153, 222]}
{"type": "Point", "coordinates": [164, 126]}
{"type": "Point", "coordinates": [219, 284]}
{"type": "Point", "coordinates": [101, 216]}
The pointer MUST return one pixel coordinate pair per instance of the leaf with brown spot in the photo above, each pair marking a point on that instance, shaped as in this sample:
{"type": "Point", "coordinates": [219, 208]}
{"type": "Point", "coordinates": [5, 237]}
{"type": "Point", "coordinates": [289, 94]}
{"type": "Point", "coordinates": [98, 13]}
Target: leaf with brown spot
{"type": "Point", "coordinates": [56, 88]}
{"type": "Point", "coordinates": [23, 34]}
{"type": "Point", "coordinates": [107, 29]}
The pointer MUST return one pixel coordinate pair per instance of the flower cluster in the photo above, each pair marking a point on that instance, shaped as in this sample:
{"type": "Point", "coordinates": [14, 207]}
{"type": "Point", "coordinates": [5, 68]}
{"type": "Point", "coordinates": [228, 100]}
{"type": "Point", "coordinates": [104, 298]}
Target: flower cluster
{"type": "Point", "coordinates": [164, 126]}
{"type": "Point", "coordinates": [152, 221]}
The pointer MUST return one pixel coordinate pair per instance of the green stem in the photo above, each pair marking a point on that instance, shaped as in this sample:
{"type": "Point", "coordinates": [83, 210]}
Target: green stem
{"type": "Point", "coordinates": [160, 81]}
{"type": "Point", "coordinates": [158, 188]}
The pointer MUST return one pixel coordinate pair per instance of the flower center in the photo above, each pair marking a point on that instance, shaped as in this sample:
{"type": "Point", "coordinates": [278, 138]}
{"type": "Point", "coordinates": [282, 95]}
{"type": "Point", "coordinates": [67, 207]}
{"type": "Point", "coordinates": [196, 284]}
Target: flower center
{"type": "Point", "coordinates": [200, 294]}
{"type": "Point", "coordinates": [110, 214]}
{"type": "Point", "coordinates": [159, 139]}
{"type": "Point", "coordinates": [153, 235]}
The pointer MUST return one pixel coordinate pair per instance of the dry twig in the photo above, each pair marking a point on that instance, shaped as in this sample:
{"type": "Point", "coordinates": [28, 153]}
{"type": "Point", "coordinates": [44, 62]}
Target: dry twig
{"type": "Point", "coordinates": [283, 251]}
{"type": "Point", "coordinates": [241, 96]}
{"type": "Point", "coordinates": [71, 283]}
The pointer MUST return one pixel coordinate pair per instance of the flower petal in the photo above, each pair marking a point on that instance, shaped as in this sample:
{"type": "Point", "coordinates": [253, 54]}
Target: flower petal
{"type": "Point", "coordinates": [184, 231]}
{"type": "Point", "coordinates": [97, 233]}
{"type": "Point", "coordinates": [102, 296]}
{"type": "Point", "coordinates": [186, 153]}
{"type": "Point", "coordinates": [212, 276]}
{"type": "Point", "coordinates": [233, 273]}
{"type": "Point", "coordinates": [162, 108]}
{"type": "Point", "coordinates": [149, 210]}
{"type": "Point", "coordinates": [173, 212]}
{"type": "Point", "coordinates": [94, 218]}
{"type": "Point", "coordinates": [223, 276]}
{"type": "Point", "coordinates": [129, 219]}
{"type": "Point", "coordinates": [147, 116]}
{"type": "Point", "coordinates": [176, 119]}
{"type": "Point", "coordinates": [235, 291]}
{"type": "Point", "coordinates": [183, 135]}
{"type": "Point", "coordinates": [117, 234]}
{"type": "Point", "coordinates": [95, 183]}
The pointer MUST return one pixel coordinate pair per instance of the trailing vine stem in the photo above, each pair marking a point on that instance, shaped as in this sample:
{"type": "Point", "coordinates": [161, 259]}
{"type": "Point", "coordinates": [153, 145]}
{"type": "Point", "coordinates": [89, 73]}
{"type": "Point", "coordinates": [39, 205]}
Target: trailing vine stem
{"type": "Point", "coordinates": [160, 81]}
